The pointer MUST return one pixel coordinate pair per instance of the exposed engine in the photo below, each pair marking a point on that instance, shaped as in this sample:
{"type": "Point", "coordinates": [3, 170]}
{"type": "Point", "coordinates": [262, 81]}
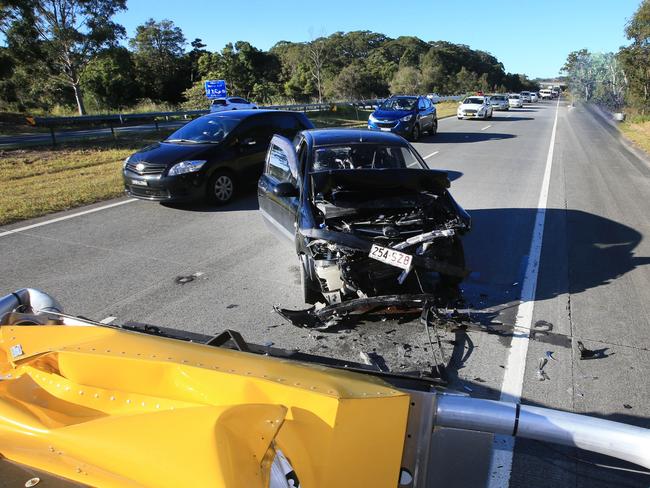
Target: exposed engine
{"type": "Point", "coordinates": [415, 217]}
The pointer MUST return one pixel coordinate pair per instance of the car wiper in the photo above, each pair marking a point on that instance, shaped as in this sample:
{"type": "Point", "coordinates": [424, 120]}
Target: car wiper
{"type": "Point", "coordinates": [182, 140]}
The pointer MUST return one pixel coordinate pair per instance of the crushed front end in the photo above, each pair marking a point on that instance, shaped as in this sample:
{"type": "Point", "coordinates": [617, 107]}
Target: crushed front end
{"type": "Point", "coordinates": [379, 232]}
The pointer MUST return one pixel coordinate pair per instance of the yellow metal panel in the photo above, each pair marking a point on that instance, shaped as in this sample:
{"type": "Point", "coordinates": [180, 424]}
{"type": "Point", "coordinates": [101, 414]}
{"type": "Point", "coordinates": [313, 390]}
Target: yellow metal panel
{"type": "Point", "coordinates": [114, 408]}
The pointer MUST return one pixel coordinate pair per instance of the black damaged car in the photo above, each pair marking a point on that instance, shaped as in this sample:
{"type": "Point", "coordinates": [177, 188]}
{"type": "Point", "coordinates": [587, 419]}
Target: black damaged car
{"type": "Point", "coordinates": [366, 215]}
{"type": "Point", "coordinates": [209, 157]}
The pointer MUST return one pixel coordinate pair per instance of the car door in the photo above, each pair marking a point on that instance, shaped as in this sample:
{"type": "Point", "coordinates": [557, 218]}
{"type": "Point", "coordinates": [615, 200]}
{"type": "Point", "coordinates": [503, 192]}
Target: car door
{"type": "Point", "coordinates": [251, 143]}
{"type": "Point", "coordinates": [423, 115]}
{"type": "Point", "coordinates": [278, 191]}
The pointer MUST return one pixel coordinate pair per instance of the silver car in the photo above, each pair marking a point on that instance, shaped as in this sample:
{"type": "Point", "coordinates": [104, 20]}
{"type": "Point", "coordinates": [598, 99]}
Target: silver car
{"type": "Point", "coordinates": [499, 102]}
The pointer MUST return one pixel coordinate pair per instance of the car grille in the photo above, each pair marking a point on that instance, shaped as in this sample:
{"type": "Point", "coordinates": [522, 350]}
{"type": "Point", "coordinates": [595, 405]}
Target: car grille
{"type": "Point", "coordinates": [149, 169]}
{"type": "Point", "coordinates": [137, 191]}
{"type": "Point", "coordinates": [386, 125]}
{"type": "Point", "coordinates": [470, 112]}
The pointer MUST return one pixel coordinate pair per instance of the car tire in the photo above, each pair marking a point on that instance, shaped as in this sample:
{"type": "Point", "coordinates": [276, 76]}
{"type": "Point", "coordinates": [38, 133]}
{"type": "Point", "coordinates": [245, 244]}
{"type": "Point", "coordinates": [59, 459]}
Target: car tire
{"type": "Point", "coordinates": [415, 133]}
{"type": "Point", "coordinates": [457, 258]}
{"type": "Point", "coordinates": [310, 290]}
{"type": "Point", "coordinates": [434, 128]}
{"type": "Point", "coordinates": [221, 188]}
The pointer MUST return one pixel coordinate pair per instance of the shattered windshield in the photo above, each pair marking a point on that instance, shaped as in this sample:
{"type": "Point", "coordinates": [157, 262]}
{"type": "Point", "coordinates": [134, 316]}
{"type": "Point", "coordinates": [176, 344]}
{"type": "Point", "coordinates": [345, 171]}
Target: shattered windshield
{"type": "Point", "coordinates": [399, 104]}
{"type": "Point", "coordinates": [364, 156]}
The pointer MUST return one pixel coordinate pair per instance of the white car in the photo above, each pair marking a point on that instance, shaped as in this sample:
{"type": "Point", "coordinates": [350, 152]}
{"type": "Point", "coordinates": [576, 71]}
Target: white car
{"type": "Point", "coordinates": [525, 96]}
{"type": "Point", "coordinates": [515, 101]}
{"type": "Point", "coordinates": [533, 97]}
{"type": "Point", "coordinates": [231, 103]}
{"type": "Point", "coordinates": [475, 107]}
{"type": "Point", "coordinates": [545, 94]}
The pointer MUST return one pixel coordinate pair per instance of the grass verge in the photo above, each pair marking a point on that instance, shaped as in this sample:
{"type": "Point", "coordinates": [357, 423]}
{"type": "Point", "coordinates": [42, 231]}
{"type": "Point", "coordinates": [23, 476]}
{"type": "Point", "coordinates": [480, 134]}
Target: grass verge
{"type": "Point", "coordinates": [637, 129]}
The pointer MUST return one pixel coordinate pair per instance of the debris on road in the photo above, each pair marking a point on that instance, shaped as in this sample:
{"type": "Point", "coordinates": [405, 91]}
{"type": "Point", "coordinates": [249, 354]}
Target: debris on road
{"type": "Point", "coordinates": [541, 374]}
{"type": "Point", "coordinates": [592, 354]}
{"type": "Point", "coordinates": [549, 355]}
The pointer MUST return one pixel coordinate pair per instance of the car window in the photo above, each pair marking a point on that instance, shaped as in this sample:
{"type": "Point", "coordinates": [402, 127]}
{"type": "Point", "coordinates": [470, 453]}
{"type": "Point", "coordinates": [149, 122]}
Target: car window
{"type": "Point", "coordinates": [258, 129]}
{"type": "Point", "coordinates": [399, 103]}
{"type": "Point", "coordinates": [364, 156]}
{"type": "Point", "coordinates": [238, 100]}
{"type": "Point", "coordinates": [277, 164]}
{"type": "Point", "coordinates": [206, 129]}
{"type": "Point", "coordinates": [285, 122]}
{"type": "Point", "coordinates": [219, 101]}
{"type": "Point", "coordinates": [421, 104]}
{"type": "Point", "coordinates": [476, 100]}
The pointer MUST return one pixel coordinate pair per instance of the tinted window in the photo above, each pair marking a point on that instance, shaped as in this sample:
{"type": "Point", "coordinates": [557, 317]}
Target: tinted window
{"type": "Point", "coordinates": [285, 122]}
{"type": "Point", "coordinates": [476, 100]}
{"type": "Point", "coordinates": [258, 129]}
{"type": "Point", "coordinates": [207, 129]}
{"type": "Point", "coordinates": [277, 164]}
{"type": "Point", "coordinates": [399, 103]}
{"type": "Point", "coordinates": [238, 100]}
{"type": "Point", "coordinates": [364, 156]}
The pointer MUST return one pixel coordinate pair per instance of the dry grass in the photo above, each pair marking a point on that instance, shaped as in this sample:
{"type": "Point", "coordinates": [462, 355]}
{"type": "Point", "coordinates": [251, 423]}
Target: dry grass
{"type": "Point", "coordinates": [43, 180]}
{"type": "Point", "coordinates": [446, 109]}
{"type": "Point", "coordinates": [637, 129]}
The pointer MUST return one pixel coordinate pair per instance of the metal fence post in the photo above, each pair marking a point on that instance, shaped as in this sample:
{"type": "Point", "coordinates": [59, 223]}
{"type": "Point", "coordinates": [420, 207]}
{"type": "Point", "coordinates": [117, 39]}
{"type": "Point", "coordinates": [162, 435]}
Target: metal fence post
{"type": "Point", "coordinates": [113, 132]}
{"type": "Point", "coordinates": [53, 137]}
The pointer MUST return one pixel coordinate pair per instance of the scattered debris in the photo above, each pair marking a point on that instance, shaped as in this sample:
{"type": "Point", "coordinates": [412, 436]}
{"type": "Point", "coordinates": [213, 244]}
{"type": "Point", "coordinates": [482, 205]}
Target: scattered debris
{"type": "Point", "coordinates": [549, 355]}
{"type": "Point", "coordinates": [181, 280]}
{"type": "Point", "coordinates": [543, 326]}
{"type": "Point", "coordinates": [374, 359]}
{"type": "Point", "coordinates": [627, 405]}
{"type": "Point", "coordinates": [232, 305]}
{"type": "Point", "coordinates": [479, 380]}
{"type": "Point", "coordinates": [592, 353]}
{"type": "Point", "coordinates": [541, 374]}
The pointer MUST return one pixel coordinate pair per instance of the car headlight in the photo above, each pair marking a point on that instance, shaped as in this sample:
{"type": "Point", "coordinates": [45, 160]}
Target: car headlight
{"type": "Point", "coordinates": [125, 162]}
{"type": "Point", "coordinates": [372, 118]}
{"type": "Point", "coordinates": [406, 118]}
{"type": "Point", "coordinates": [186, 167]}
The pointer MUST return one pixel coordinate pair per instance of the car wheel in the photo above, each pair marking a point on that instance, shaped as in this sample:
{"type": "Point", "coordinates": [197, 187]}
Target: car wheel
{"type": "Point", "coordinates": [415, 133]}
{"type": "Point", "coordinates": [460, 118]}
{"type": "Point", "coordinates": [434, 128]}
{"type": "Point", "coordinates": [221, 188]}
{"type": "Point", "coordinates": [457, 258]}
{"type": "Point", "coordinates": [310, 290]}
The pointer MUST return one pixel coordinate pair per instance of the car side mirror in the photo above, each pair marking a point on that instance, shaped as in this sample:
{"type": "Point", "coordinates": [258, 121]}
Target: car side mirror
{"type": "Point", "coordinates": [285, 189]}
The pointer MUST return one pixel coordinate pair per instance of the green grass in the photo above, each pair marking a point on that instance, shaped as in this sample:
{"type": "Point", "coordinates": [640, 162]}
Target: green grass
{"type": "Point", "coordinates": [39, 181]}
{"type": "Point", "coordinates": [637, 129]}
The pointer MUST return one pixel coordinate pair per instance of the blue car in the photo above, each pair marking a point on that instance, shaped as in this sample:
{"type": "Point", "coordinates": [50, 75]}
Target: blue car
{"type": "Point", "coordinates": [408, 116]}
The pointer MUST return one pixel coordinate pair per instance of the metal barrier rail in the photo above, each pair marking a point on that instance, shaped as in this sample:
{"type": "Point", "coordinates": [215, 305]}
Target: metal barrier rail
{"type": "Point", "coordinates": [125, 120]}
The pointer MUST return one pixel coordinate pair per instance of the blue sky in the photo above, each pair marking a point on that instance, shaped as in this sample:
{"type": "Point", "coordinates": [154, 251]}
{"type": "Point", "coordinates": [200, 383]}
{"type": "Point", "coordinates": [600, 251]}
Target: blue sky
{"type": "Point", "coordinates": [531, 37]}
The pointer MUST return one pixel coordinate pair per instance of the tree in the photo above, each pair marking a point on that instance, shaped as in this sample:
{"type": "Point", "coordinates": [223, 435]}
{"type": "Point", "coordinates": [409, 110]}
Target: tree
{"type": "Point", "coordinates": [317, 58]}
{"type": "Point", "coordinates": [407, 80]}
{"type": "Point", "coordinates": [110, 77]}
{"type": "Point", "coordinates": [65, 34]}
{"type": "Point", "coordinates": [635, 59]}
{"type": "Point", "coordinates": [355, 82]}
{"type": "Point", "coordinates": [158, 51]}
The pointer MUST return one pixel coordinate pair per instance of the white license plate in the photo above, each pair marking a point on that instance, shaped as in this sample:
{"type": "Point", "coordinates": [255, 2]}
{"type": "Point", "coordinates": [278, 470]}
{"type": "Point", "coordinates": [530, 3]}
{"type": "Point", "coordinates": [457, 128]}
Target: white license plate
{"type": "Point", "coordinates": [391, 256]}
{"type": "Point", "coordinates": [139, 182]}
{"type": "Point", "coordinates": [385, 129]}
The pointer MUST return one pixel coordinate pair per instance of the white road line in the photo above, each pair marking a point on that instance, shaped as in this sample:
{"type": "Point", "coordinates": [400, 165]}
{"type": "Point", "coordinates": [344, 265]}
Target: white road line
{"type": "Point", "coordinates": [513, 377]}
{"type": "Point", "coordinates": [432, 154]}
{"type": "Point", "coordinates": [107, 320]}
{"type": "Point", "coordinates": [508, 115]}
{"type": "Point", "coordinates": [66, 217]}
{"type": "Point", "coordinates": [486, 127]}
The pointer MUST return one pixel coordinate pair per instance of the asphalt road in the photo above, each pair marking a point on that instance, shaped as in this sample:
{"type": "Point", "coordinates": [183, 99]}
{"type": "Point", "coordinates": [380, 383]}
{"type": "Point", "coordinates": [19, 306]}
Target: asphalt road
{"type": "Point", "coordinates": [593, 283]}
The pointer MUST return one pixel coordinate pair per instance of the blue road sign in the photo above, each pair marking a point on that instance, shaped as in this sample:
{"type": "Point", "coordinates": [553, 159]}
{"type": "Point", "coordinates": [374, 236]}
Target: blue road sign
{"type": "Point", "coordinates": [215, 89]}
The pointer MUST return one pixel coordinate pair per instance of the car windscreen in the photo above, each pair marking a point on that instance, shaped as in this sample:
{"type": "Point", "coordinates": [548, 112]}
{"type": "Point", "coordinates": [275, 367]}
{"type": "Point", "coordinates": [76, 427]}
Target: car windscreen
{"type": "Point", "coordinates": [498, 97]}
{"type": "Point", "coordinates": [219, 101]}
{"type": "Point", "coordinates": [514, 97]}
{"type": "Point", "coordinates": [399, 104]}
{"type": "Point", "coordinates": [475, 100]}
{"type": "Point", "coordinates": [364, 156]}
{"type": "Point", "coordinates": [204, 130]}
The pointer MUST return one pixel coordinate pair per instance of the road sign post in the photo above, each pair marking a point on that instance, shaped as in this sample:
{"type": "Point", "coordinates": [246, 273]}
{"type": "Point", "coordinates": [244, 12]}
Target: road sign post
{"type": "Point", "coordinates": [215, 89]}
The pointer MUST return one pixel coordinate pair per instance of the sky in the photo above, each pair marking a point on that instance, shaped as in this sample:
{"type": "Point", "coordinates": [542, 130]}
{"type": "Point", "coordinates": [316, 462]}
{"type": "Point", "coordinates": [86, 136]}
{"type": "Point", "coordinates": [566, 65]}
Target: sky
{"type": "Point", "coordinates": [530, 37]}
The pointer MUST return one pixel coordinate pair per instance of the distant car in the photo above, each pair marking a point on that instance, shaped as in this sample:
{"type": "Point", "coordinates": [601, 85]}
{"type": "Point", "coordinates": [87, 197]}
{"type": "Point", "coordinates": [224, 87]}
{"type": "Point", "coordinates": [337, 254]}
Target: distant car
{"type": "Point", "coordinates": [231, 103]}
{"type": "Point", "coordinates": [533, 97]}
{"type": "Point", "coordinates": [499, 102]}
{"type": "Point", "coordinates": [514, 100]}
{"type": "Point", "coordinates": [408, 116]}
{"type": "Point", "coordinates": [434, 97]}
{"type": "Point", "coordinates": [545, 94]}
{"type": "Point", "coordinates": [209, 157]}
{"type": "Point", "coordinates": [525, 96]}
{"type": "Point", "coordinates": [364, 213]}
{"type": "Point", "coordinates": [475, 107]}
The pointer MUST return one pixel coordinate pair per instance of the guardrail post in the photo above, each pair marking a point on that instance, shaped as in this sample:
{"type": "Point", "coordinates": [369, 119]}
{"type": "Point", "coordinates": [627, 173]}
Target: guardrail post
{"type": "Point", "coordinates": [113, 132]}
{"type": "Point", "coordinates": [53, 137]}
{"type": "Point", "coordinates": [155, 121]}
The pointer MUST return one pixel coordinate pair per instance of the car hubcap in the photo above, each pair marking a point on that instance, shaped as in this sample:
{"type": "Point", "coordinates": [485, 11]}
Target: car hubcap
{"type": "Point", "coordinates": [223, 188]}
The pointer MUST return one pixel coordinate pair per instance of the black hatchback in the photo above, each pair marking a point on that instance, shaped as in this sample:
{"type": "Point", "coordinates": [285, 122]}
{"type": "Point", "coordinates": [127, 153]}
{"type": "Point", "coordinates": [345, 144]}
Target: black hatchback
{"type": "Point", "coordinates": [210, 157]}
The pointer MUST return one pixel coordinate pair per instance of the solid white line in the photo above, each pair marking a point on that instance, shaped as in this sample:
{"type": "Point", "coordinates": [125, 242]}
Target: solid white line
{"type": "Point", "coordinates": [107, 320]}
{"type": "Point", "coordinates": [513, 377]}
{"type": "Point", "coordinates": [432, 154]}
{"type": "Point", "coordinates": [486, 127]}
{"type": "Point", "coordinates": [66, 217]}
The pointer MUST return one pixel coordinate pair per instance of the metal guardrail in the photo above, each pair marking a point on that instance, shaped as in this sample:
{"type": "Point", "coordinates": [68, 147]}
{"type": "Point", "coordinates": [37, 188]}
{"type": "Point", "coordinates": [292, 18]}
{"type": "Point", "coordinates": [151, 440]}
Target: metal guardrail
{"type": "Point", "coordinates": [125, 120]}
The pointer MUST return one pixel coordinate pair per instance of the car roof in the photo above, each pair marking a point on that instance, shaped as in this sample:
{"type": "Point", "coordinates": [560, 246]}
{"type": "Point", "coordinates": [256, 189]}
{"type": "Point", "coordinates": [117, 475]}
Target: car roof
{"type": "Point", "coordinates": [325, 137]}
{"type": "Point", "coordinates": [242, 114]}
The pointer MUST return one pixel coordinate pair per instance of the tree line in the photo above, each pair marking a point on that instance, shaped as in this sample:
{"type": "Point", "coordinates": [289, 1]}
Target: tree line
{"type": "Point", "coordinates": [71, 53]}
{"type": "Point", "coordinates": [616, 79]}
